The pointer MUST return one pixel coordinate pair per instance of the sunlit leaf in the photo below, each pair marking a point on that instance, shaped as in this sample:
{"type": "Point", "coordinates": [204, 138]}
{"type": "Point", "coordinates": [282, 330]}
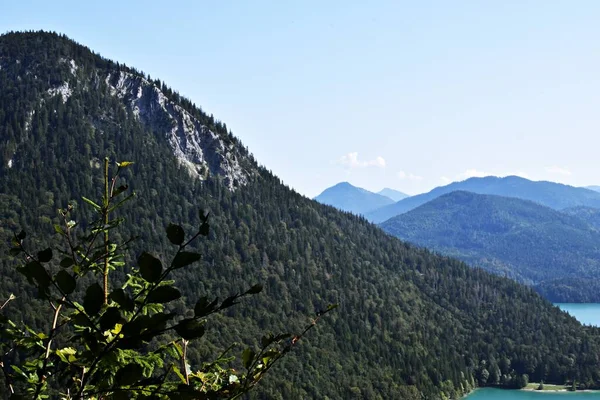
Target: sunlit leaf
{"type": "Point", "coordinates": [248, 357]}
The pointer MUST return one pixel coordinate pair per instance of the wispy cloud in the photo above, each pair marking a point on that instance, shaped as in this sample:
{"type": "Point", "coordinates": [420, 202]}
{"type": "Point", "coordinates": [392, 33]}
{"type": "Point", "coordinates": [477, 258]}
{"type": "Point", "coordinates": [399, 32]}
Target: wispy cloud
{"type": "Point", "coordinates": [351, 160]}
{"type": "Point", "coordinates": [558, 171]}
{"type": "Point", "coordinates": [411, 177]}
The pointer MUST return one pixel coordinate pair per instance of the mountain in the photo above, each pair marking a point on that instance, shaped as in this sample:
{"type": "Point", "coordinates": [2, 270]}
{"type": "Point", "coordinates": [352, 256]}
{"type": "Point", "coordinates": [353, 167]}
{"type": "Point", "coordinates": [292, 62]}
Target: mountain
{"type": "Point", "coordinates": [411, 324]}
{"type": "Point", "coordinates": [350, 198]}
{"type": "Point", "coordinates": [392, 194]}
{"type": "Point", "coordinates": [594, 188]}
{"type": "Point", "coordinates": [587, 214]}
{"type": "Point", "coordinates": [550, 194]}
{"type": "Point", "coordinates": [518, 238]}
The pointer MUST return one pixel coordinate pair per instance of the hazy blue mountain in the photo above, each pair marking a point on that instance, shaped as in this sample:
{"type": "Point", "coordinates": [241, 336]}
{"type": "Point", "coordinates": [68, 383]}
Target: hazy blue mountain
{"type": "Point", "coordinates": [393, 194]}
{"type": "Point", "coordinates": [587, 214]}
{"type": "Point", "coordinates": [347, 197]}
{"type": "Point", "coordinates": [594, 188]}
{"type": "Point", "coordinates": [518, 238]}
{"type": "Point", "coordinates": [553, 195]}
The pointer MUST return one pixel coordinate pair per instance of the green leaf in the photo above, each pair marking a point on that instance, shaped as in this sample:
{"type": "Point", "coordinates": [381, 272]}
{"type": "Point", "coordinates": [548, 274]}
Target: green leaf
{"type": "Point", "coordinates": [122, 202]}
{"type": "Point", "coordinates": [120, 190]}
{"type": "Point", "coordinates": [190, 328]}
{"type": "Point", "coordinates": [150, 267]}
{"type": "Point", "coordinates": [163, 294]}
{"type": "Point", "coordinates": [91, 203]}
{"type": "Point", "coordinates": [159, 320]}
{"type": "Point", "coordinates": [185, 258]}
{"type": "Point", "coordinates": [122, 299]}
{"type": "Point", "coordinates": [248, 357]}
{"type": "Point", "coordinates": [230, 301]}
{"type": "Point", "coordinates": [120, 395]}
{"type": "Point", "coordinates": [110, 318]}
{"type": "Point", "coordinates": [67, 262]}
{"type": "Point", "coordinates": [44, 255]}
{"type": "Point", "coordinates": [179, 374]}
{"type": "Point", "coordinates": [58, 229]}
{"type": "Point", "coordinates": [129, 375]}
{"type": "Point", "coordinates": [65, 281]}
{"type": "Point", "coordinates": [15, 251]}
{"type": "Point", "coordinates": [93, 299]}
{"type": "Point", "coordinates": [255, 289]}
{"type": "Point", "coordinates": [39, 273]}
{"type": "Point", "coordinates": [175, 234]}
{"type": "Point", "coordinates": [204, 229]}
{"type": "Point", "coordinates": [203, 307]}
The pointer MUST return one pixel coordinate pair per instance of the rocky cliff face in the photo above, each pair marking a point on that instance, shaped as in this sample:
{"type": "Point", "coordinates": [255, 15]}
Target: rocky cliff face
{"type": "Point", "coordinates": [197, 148]}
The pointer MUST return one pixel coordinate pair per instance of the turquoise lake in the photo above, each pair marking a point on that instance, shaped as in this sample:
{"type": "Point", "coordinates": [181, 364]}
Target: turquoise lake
{"type": "Point", "coordinates": [586, 314]}
{"type": "Point", "coordinates": [499, 394]}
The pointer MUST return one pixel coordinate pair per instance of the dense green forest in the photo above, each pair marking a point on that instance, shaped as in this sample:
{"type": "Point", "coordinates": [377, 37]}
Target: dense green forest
{"type": "Point", "coordinates": [411, 324]}
{"type": "Point", "coordinates": [511, 237]}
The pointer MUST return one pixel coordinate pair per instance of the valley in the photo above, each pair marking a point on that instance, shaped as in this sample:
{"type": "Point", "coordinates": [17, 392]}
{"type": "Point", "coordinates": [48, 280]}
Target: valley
{"type": "Point", "coordinates": [412, 322]}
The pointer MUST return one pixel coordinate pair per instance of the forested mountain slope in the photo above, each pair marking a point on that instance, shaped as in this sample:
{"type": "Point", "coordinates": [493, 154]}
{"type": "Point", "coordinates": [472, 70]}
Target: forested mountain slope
{"type": "Point", "coordinates": [587, 214]}
{"type": "Point", "coordinates": [409, 323]}
{"type": "Point", "coordinates": [347, 197]}
{"type": "Point", "coordinates": [521, 239]}
{"type": "Point", "coordinates": [550, 194]}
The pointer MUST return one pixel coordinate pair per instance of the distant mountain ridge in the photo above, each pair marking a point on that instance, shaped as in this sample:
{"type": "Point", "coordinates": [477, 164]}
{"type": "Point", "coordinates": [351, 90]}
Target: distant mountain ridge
{"type": "Point", "coordinates": [550, 194]}
{"type": "Point", "coordinates": [595, 188]}
{"type": "Point", "coordinates": [526, 241]}
{"type": "Point", "coordinates": [347, 197]}
{"type": "Point", "coordinates": [393, 194]}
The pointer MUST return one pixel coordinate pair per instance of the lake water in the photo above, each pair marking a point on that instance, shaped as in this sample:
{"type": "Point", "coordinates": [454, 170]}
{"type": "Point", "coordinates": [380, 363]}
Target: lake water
{"type": "Point", "coordinates": [499, 394]}
{"type": "Point", "coordinates": [586, 314]}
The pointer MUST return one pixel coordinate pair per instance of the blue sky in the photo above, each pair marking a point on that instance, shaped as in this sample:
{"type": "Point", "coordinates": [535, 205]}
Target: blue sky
{"type": "Point", "coordinates": [407, 95]}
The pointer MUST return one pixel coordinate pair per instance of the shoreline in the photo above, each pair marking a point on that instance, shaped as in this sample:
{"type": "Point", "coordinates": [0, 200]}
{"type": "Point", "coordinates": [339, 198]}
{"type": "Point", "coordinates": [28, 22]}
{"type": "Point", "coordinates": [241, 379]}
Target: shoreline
{"type": "Point", "coordinates": [534, 390]}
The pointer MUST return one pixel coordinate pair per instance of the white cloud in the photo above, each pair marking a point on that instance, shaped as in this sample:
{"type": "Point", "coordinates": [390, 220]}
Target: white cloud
{"type": "Point", "coordinates": [411, 177]}
{"type": "Point", "coordinates": [445, 180]}
{"type": "Point", "coordinates": [558, 171]}
{"type": "Point", "coordinates": [351, 160]}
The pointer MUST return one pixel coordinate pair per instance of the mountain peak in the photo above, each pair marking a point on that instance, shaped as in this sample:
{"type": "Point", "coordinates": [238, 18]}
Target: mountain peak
{"type": "Point", "coordinates": [393, 194]}
{"type": "Point", "coordinates": [200, 144]}
{"type": "Point", "coordinates": [348, 197]}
